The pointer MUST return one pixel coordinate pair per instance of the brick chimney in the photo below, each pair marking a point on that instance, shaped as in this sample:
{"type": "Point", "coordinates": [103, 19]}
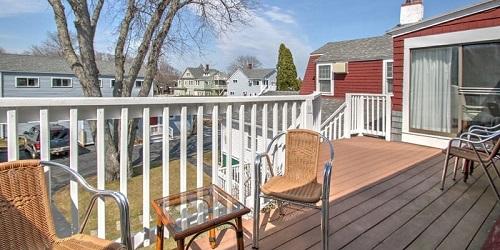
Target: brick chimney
{"type": "Point", "coordinates": [412, 11]}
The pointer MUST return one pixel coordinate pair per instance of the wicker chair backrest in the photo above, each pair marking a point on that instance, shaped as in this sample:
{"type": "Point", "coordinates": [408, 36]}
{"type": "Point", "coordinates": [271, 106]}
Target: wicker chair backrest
{"type": "Point", "coordinates": [302, 155]}
{"type": "Point", "coordinates": [25, 217]}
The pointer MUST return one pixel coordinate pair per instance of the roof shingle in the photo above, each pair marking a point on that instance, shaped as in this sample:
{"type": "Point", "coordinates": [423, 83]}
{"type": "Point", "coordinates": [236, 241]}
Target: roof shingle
{"type": "Point", "coordinates": [373, 48]}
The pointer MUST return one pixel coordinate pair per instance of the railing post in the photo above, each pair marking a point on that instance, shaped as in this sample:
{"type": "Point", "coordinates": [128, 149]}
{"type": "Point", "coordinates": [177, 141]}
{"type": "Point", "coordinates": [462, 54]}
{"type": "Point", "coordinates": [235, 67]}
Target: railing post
{"type": "Point", "coordinates": [317, 113]}
{"type": "Point", "coordinates": [313, 113]}
{"type": "Point", "coordinates": [347, 116]}
{"type": "Point", "coordinates": [360, 112]}
{"type": "Point", "coordinates": [388, 117]}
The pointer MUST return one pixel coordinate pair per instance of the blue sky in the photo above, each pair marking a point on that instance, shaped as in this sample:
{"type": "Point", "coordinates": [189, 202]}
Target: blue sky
{"type": "Point", "coordinates": [303, 25]}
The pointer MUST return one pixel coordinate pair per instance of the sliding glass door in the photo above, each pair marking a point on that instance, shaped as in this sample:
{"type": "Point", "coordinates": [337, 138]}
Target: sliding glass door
{"type": "Point", "coordinates": [454, 87]}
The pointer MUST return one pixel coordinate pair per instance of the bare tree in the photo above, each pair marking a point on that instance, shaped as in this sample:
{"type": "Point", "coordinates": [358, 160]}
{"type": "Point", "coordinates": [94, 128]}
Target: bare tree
{"type": "Point", "coordinates": [143, 30]}
{"type": "Point", "coordinates": [166, 77]}
{"type": "Point", "coordinates": [51, 46]}
{"type": "Point", "coordinates": [244, 62]}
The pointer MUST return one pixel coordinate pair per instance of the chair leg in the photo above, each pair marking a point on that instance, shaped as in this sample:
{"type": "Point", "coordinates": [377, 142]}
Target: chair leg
{"type": "Point", "coordinates": [324, 223]}
{"type": "Point", "coordinates": [280, 208]}
{"type": "Point", "coordinates": [445, 168]}
{"type": "Point", "coordinates": [256, 220]}
{"type": "Point", "coordinates": [455, 168]}
{"type": "Point", "coordinates": [490, 180]}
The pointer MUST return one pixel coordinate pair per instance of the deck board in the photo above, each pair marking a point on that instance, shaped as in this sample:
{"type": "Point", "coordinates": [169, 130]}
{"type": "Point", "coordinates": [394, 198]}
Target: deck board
{"type": "Point", "coordinates": [386, 201]}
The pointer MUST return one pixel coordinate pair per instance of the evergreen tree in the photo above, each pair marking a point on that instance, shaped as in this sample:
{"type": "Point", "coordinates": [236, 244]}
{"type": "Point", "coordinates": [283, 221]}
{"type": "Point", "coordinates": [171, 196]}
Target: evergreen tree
{"type": "Point", "coordinates": [286, 72]}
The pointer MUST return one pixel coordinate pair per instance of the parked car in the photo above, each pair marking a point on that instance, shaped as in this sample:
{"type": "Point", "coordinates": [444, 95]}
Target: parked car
{"type": "Point", "coordinates": [59, 140]}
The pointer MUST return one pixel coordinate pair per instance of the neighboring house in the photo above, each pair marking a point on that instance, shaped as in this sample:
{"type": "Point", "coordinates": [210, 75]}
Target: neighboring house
{"type": "Point", "coordinates": [353, 66]}
{"type": "Point", "coordinates": [48, 76]}
{"type": "Point", "coordinates": [201, 81]}
{"type": "Point", "coordinates": [446, 73]}
{"type": "Point", "coordinates": [443, 72]}
{"type": "Point", "coordinates": [251, 81]}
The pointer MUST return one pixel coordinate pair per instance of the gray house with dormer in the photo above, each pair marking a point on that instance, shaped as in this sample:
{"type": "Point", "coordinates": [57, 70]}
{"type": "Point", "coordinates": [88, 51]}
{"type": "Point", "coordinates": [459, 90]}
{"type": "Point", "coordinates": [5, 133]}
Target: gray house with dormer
{"type": "Point", "coordinates": [251, 81]}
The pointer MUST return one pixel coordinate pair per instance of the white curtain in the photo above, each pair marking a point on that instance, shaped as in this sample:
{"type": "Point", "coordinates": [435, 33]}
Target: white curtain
{"type": "Point", "coordinates": [430, 89]}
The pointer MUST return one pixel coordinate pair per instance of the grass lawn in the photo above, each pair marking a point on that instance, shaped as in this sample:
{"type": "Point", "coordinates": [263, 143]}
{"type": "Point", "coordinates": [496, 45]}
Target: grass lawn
{"type": "Point", "coordinates": [62, 199]}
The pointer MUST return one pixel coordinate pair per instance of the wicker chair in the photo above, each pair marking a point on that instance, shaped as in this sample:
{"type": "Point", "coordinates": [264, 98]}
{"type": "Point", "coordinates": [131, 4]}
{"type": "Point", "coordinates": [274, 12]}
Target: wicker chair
{"type": "Point", "coordinates": [482, 148]}
{"type": "Point", "coordinates": [25, 215]}
{"type": "Point", "coordinates": [299, 183]}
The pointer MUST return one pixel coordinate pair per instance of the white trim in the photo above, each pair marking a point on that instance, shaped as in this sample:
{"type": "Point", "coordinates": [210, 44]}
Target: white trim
{"type": "Point", "coordinates": [332, 82]}
{"type": "Point", "coordinates": [21, 76]}
{"type": "Point", "coordinates": [460, 37]}
{"type": "Point", "coordinates": [384, 75]}
{"type": "Point", "coordinates": [62, 78]}
{"type": "Point", "coordinates": [101, 81]}
{"type": "Point", "coordinates": [470, 10]}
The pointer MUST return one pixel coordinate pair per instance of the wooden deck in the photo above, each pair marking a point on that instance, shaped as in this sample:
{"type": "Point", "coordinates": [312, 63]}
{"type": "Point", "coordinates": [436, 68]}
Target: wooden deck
{"type": "Point", "coordinates": [385, 196]}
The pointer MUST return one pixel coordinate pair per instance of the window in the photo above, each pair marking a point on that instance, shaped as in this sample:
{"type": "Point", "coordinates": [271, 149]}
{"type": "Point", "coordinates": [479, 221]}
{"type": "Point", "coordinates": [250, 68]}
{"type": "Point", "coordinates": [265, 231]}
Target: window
{"type": "Point", "coordinates": [100, 82]}
{"type": "Point", "coordinates": [325, 79]}
{"type": "Point", "coordinates": [244, 93]}
{"type": "Point", "coordinates": [388, 76]}
{"type": "Point", "coordinates": [249, 142]}
{"type": "Point", "coordinates": [266, 82]}
{"type": "Point", "coordinates": [138, 83]}
{"type": "Point", "coordinates": [235, 81]}
{"type": "Point", "coordinates": [256, 82]}
{"type": "Point", "coordinates": [27, 82]}
{"type": "Point", "coordinates": [112, 83]}
{"type": "Point", "coordinates": [62, 82]}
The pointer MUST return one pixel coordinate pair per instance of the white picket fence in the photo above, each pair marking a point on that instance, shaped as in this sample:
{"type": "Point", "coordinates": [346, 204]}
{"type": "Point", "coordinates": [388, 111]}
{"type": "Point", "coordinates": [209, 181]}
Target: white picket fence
{"type": "Point", "coordinates": [14, 111]}
{"type": "Point", "coordinates": [361, 114]}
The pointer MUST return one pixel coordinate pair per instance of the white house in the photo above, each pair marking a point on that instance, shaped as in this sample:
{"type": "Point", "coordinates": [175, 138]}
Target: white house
{"type": "Point", "coordinates": [251, 82]}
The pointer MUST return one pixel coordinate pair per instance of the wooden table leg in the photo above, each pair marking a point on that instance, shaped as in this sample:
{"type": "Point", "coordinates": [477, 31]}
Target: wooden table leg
{"type": "Point", "coordinates": [212, 237]}
{"type": "Point", "coordinates": [239, 233]}
{"type": "Point", "coordinates": [159, 234]}
{"type": "Point", "coordinates": [180, 244]}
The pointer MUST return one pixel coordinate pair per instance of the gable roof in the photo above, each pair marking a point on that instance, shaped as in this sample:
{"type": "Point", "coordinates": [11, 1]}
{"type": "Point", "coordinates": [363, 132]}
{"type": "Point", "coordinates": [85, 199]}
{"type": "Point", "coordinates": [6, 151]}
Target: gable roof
{"type": "Point", "coordinates": [372, 48]}
{"type": "Point", "coordinates": [198, 72]}
{"type": "Point", "coordinates": [49, 64]}
{"type": "Point", "coordinates": [452, 15]}
{"type": "Point", "coordinates": [257, 73]}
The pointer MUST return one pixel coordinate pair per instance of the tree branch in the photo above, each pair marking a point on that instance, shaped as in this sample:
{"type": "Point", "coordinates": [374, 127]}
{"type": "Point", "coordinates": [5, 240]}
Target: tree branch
{"type": "Point", "coordinates": [96, 14]}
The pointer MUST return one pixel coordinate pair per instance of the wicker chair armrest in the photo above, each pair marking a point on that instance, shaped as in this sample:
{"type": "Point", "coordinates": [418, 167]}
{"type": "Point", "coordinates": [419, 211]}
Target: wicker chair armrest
{"type": "Point", "coordinates": [327, 177]}
{"type": "Point", "coordinates": [120, 199]}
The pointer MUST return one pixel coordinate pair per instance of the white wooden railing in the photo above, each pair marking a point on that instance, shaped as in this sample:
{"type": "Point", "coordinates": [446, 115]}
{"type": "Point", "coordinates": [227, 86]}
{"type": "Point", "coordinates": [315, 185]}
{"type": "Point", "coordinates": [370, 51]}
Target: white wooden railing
{"type": "Point", "coordinates": [305, 113]}
{"type": "Point", "coordinates": [361, 114]}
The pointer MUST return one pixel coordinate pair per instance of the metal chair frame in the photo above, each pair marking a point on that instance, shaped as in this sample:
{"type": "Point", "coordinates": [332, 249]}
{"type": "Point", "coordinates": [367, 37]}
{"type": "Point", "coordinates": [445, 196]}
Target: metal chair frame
{"type": "Point", "coordinates": [120, 199]}
{"type": "Point", "coordinates": [327, 172]}
{"type": "Point", "coordinates": [475, 142]}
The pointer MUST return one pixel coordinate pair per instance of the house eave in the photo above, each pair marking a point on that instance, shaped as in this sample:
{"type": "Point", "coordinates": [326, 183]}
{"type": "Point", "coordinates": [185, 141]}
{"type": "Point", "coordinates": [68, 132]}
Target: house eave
{"type": "Point", "coordinates": [474, 9]}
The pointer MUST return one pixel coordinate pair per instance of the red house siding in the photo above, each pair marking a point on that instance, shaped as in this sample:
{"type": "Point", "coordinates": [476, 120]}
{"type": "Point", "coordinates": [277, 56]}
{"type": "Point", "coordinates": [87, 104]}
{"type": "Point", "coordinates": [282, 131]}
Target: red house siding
{"type": "Point", "coordinates": [309, 82]}
{"type": "Point", "coordinates": [363, 77]}
{"type": "Point", "coordinates": [484, 19]}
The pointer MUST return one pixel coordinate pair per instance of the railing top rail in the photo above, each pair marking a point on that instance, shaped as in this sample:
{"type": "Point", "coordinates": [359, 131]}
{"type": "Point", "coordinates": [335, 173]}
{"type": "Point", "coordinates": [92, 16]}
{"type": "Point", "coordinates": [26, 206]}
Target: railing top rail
{"type": "Point", "coordinates": [369, 94]}
{"type": "Point", "coordinates": [339, 109]}
{"type": "Point", "coordinates": [124, 101]}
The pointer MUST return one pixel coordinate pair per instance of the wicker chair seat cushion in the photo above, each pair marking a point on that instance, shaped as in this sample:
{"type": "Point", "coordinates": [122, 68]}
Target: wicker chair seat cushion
{"type": "Point", "coordinates": [290, 189]}
{"type": "Point", "coordinates": [81, 241]}
{"type": "Point", "coordinates": [466, 153]}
